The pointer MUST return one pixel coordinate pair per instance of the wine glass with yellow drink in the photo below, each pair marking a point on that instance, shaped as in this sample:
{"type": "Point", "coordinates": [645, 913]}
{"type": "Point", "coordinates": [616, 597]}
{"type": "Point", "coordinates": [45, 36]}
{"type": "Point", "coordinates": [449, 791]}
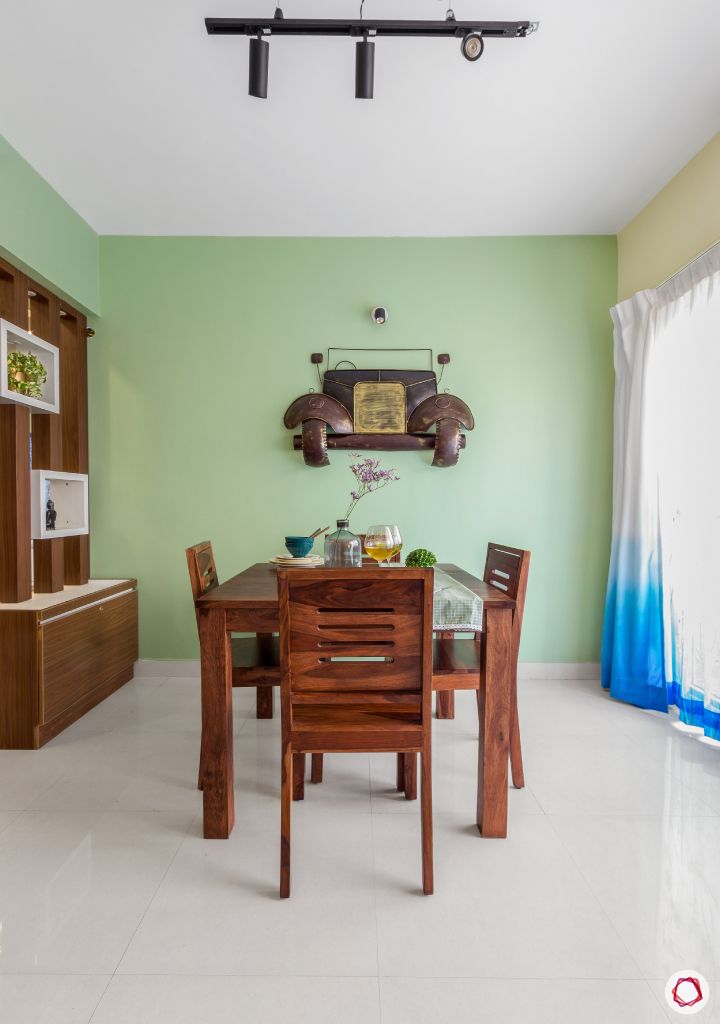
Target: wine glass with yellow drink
{"type": "Point", "coordinates": [381, 542]}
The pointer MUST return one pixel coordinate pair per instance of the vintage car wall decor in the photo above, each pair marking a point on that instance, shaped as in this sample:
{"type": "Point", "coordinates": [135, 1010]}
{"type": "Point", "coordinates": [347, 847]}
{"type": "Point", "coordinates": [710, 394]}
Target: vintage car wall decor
{"type": "Point", "coordinates": [379, 410]}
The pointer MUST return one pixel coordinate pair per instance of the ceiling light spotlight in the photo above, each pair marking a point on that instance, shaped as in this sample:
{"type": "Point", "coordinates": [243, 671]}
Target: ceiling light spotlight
{"type": "Point", "coordinates": [259, 57]}
{"type": "Point", "coordinates": [364, 69]}
{"type": "Point", "coordinates": [472, 46]}
{"type": "Point", "coordinates": [379, 315]}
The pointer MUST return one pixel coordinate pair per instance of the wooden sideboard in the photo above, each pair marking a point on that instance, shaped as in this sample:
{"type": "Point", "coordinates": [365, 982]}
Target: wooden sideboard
{"type": "Point", "coordinates": [61, 654]}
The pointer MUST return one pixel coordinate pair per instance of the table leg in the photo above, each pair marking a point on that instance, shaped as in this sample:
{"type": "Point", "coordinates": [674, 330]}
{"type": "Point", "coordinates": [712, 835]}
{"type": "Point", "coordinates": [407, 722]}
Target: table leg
{"type": "Point", "coordinates": [494, 712]}
{"type": "Point", "coordinates": [265, 695]}
{"type": "Point", "coordinates": [217, 724]}
{"type": "Point", "coordinates": [445, 699]}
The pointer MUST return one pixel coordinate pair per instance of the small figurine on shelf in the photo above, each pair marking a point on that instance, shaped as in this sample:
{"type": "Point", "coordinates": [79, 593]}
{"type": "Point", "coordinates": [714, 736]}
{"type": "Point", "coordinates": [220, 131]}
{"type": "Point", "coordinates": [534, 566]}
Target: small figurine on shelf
{"type": "Point", "coordinates": [50, 515]}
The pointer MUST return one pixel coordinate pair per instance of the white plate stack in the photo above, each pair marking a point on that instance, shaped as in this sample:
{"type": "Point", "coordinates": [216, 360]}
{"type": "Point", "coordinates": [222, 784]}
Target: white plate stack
{"type": "Point", "coordinates": [309, 561]}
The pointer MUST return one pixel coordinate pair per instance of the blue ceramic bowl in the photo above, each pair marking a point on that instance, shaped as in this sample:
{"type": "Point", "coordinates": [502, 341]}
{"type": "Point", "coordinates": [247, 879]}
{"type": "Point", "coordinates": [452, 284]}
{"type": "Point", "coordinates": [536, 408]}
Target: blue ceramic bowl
{"type": "Point", "coordinates": [299, 546]}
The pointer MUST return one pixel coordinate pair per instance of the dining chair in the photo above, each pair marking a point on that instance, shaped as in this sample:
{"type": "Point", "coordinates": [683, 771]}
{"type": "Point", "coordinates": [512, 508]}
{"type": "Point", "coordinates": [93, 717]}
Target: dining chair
{"type": "Point", "coordinates": [255, 660]}
{"type": "Point", "coordinates": [316, 761]}
{"type": "Point", "coordinates": [356, 676]}
{"type": "Point", "coordinates": [458, 661]}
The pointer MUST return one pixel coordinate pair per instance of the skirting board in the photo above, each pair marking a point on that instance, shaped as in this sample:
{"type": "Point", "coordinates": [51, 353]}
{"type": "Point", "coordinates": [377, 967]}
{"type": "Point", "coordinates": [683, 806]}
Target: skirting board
{"type": "Point", "coordinates": [148, 668]}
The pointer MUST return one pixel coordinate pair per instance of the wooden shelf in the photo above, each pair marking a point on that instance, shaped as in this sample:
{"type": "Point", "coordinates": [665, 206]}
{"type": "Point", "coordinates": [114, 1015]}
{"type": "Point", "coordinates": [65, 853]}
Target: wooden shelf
{"type": "Point", "coordinates": [378, 442]}
{"type": "Point", "coordinates": [15, 339]}
{"type": "Point", "coordinates": [69, 491]}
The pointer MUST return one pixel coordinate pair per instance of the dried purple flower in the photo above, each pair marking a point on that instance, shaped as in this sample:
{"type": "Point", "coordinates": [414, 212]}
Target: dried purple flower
{"type": "Point", "coordinates": [370, 477]}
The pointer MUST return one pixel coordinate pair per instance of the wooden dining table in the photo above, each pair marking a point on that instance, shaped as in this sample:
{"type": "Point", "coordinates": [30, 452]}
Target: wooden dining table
{"type": "Point", "coordinates": [248, 603]}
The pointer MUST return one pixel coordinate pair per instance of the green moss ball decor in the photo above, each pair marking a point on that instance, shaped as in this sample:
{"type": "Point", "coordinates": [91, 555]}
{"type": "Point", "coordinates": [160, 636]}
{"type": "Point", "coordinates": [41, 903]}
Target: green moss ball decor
{"type": "Point", "coordinates": [420, 558]}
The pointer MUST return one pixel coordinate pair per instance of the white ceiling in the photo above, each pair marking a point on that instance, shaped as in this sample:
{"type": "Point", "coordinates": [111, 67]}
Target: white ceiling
{"type": "Point", "coordinates": [143, 123]}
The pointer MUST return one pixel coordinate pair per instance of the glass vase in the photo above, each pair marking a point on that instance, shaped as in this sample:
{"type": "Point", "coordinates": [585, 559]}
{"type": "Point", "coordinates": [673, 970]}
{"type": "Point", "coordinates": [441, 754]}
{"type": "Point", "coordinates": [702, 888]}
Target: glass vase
{"type": "Point", "coordinates": [342, 548]}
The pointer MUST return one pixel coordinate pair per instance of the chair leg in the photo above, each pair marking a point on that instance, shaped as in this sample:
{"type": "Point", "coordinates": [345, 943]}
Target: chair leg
{"type": "Point", "coordinates": [298, 777]}
{"type": "Point", "coordinates": [316, 768]}
{"type": "Point", "coordinates": [285, 816]}
{"type": "Point", "coordinates": [445, 704]}
{"type": "Point", "coordinates": [426, 819]}
{"type": "Point", "coordinates": [201, 767]}
{"type": "Point", "coordinates": [264, 701]}
{"type": "Point", "coordinates": [410, 776]}
{"type": "Point", "coordinates": [516, 761]}
{"type": "Point", "coordinates": [400, 773]}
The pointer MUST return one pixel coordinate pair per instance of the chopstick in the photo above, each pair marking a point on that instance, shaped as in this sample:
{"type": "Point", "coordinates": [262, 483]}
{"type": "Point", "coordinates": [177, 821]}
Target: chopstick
{"type": "Point", "coordinates": [319, 531]}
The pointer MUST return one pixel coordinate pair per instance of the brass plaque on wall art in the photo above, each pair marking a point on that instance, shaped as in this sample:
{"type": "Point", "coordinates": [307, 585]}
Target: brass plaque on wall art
{"type": "Point", "coordinates": [380, 407]}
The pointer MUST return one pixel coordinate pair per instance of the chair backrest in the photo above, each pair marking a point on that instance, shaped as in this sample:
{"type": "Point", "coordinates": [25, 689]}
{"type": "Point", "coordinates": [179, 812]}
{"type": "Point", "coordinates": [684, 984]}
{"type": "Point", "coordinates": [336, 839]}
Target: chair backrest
{"type": "Point", "coordinates": [202, 569]}
{"type": "Point", "coordinates": [507, 569]}
{"type": "Point", "coordinates": [357, 637]}
{"type": "Point", "coordinates": [368, 560]}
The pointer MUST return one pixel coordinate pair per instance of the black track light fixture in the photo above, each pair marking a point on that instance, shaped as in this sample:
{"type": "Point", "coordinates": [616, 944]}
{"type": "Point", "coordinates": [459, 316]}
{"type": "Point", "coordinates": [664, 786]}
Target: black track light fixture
{"type": "Point", "coordinates": [259, 58]}
{"type": "Point", "coordinates": [472, 35]}
{"type": "Point", "coordinates": [364, 69]}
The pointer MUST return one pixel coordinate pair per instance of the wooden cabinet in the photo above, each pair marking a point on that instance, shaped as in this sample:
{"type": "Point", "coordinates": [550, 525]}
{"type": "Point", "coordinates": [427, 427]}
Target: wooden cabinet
{"type": "Point", "coordinates": [61, 655]}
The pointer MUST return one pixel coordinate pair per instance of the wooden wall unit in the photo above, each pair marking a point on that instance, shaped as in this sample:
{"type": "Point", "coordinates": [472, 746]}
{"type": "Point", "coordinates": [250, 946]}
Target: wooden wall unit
{"type": "Point", "coordinates": [62, 655]}
{"type": "Point", "coordinates": [73, 641]}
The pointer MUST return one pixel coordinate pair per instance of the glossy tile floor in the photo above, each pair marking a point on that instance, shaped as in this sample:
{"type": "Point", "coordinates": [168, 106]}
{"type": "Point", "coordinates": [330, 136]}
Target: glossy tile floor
{"type": "Point", "coordinates": [114, 910]}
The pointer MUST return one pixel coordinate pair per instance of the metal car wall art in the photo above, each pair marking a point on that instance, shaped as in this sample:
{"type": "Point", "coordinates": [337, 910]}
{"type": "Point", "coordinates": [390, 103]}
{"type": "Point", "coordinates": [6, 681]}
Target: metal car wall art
{"type": "Point", "coordinates": [379, 410]}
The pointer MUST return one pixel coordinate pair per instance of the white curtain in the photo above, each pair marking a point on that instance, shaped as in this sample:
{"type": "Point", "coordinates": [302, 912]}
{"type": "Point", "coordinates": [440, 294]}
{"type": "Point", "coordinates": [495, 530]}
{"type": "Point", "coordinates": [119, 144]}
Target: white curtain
{"type": "Point", "coordinates": [661, 642]}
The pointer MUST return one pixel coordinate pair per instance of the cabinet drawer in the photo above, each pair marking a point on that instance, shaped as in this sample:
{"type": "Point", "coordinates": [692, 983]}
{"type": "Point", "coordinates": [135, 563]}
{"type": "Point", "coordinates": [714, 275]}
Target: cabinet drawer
{"type": "Point", "coordinates": [83, 649]}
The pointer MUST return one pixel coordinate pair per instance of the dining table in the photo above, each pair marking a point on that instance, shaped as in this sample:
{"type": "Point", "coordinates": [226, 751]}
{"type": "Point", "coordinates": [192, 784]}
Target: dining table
{"type": "Point", "coordinates": [248, 603]}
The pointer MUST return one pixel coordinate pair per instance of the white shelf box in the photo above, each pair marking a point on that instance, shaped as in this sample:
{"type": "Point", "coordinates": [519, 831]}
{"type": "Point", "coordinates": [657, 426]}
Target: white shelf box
{"type": "Point", "coordinates": [69, 492]}
{"type": "Point", "coordinates": [15, 339]}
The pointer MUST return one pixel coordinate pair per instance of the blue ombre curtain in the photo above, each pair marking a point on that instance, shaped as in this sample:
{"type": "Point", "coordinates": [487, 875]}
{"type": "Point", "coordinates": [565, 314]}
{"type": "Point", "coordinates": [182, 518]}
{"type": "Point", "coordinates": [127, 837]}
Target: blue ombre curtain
{"type": "Point", "coordinates": [661, 637]}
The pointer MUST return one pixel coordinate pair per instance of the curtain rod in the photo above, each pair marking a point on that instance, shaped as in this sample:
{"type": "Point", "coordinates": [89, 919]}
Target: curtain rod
{"type": "Point", "coordinates": [689, 264]}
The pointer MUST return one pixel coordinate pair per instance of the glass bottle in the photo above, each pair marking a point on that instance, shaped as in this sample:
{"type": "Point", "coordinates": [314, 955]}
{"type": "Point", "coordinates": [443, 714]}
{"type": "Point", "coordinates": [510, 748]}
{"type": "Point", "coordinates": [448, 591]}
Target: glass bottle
{"type": "Point", "coordinates": [342, 548]}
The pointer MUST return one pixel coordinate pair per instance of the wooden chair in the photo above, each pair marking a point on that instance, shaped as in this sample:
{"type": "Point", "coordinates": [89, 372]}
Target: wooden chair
{"type": "Point", "coordinates": [356, 659]}
{"type": "Point", "coordinates": [458, 662]}
{"type": "Point", "coordinates": [316, 761]}
{"type": "Point", "coordinates": [256, 660]}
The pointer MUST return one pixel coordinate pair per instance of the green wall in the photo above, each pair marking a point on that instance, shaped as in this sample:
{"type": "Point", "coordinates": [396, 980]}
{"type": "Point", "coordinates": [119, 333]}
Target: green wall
{"type": "Point", "coordinates": [39, 231]}
{"type": "Point", "coordinates": [203, 343]}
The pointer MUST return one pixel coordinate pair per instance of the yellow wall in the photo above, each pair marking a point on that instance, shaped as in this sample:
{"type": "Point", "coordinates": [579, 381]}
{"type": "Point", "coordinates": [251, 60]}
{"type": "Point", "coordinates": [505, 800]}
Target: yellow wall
{"type": "Point", "coordinates": [679, 223]}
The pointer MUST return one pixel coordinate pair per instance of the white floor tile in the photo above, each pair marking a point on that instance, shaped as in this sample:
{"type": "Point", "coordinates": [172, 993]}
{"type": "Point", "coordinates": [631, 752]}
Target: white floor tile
{"type": "Point", "coordinates": [515, 908]}
{"type": "Point", "coordinates": [558, 1001]}
{"type": "Point", "coordinates": [27, 774]}
{"type": "Point", "coordinates": [606, 884]}
{"type": "Point", "coordinates": [139, 771]}
{"type": "Point", "coordinates": [6, 817]}
{"type": "Point", "coordinates": [49, 999]}
{"type": "Point", "coordinates": [218, 909]}
{"type": "Point", "coordinates": [657, 879]}
{"type": "Point", "coordinates": [234, 1000]}
{"type": "Point", "coordinates": [74, 886]}
{"type": "Point", "coordinates": [613, 774]}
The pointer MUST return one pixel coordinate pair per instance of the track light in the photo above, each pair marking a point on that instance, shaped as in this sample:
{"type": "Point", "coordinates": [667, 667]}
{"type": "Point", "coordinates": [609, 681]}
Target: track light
{"type": "Point", "coordinates": [472, 46]}
{"type": "Point", "coordinates": [364, 69]}
{"type": "Point", "coordinates": [259, 57]}
{"type": "Point", "coordinates": [472, 35]}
